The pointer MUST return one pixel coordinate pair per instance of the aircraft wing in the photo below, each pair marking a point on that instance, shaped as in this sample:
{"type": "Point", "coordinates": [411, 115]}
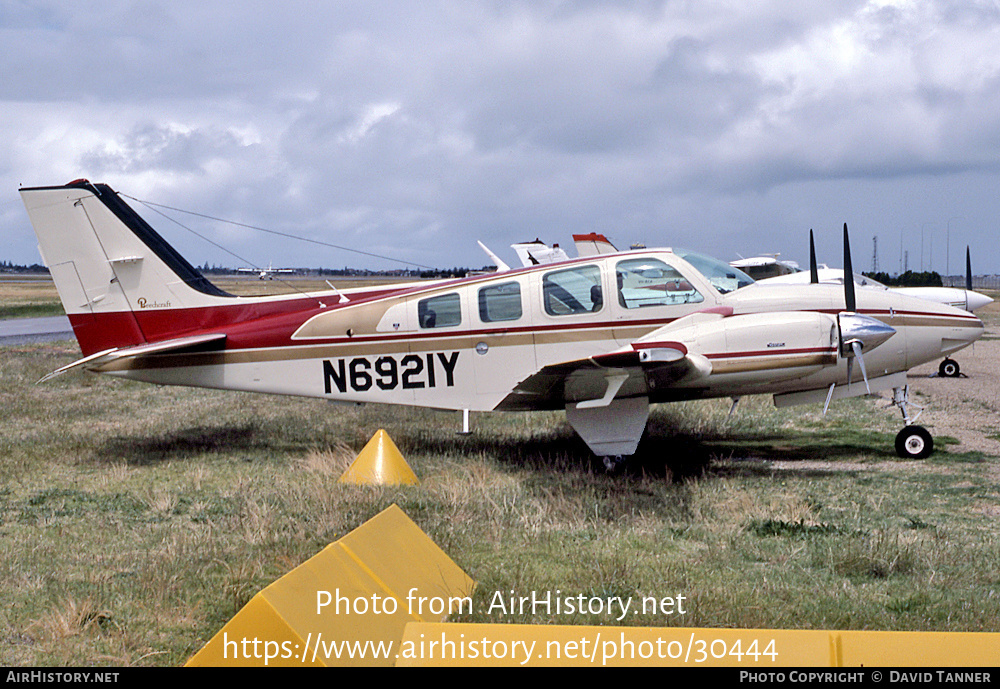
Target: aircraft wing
{"type": "Point", "coordinates": [591, 382]}
{"type": "Point", "coordinates": [595, 381]}
{"type": "Point", "coordinates": [759, 348]}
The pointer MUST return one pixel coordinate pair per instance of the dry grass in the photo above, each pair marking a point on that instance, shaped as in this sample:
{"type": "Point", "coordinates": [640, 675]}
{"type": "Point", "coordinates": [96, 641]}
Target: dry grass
{"type": "Point", "coordinates": [135, 520]}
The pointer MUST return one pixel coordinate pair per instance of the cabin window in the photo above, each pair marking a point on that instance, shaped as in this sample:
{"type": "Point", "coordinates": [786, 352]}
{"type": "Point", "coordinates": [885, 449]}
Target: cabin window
{"type": "Point", "coordinates": [440, 312]}
{"type": "Point", "coordinates": [500, 302]}
{"type": "Point", "coordinates": [573, 291]}
{"type": "Point", "coordinates": [649, 282]}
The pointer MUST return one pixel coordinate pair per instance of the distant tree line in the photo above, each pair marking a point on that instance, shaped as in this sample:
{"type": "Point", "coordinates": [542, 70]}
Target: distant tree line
{"type": "Point", "coordinates": [908, 279]}
{"type": "Point", "coordinates": [457, 272]}
{"type": "Point", "coordinates": [454, 272]}
{"type": "Point", "coordinates": [8, 267]}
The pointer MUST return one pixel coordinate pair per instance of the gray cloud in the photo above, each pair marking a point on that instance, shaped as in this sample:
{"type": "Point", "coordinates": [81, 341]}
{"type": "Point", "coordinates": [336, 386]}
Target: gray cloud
{"type": "Point", "coordinates": [417, 128]}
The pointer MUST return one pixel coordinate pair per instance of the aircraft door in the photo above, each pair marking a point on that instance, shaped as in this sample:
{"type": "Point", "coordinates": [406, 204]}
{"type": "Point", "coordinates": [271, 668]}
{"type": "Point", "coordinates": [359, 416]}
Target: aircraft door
{"type": "Point", "coordinates": [503, 342]}
{"type": "Point", "coordinates": [439, 370]}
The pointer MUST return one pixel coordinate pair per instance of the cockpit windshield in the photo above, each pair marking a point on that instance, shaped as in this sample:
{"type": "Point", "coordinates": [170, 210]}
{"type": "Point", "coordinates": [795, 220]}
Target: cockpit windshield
{"type": "Point", "coordinates": [723, 276]}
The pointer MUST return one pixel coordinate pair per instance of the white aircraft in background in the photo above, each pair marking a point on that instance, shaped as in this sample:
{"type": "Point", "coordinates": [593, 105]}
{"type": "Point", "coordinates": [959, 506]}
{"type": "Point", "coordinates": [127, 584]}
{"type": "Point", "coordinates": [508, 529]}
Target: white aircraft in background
{"type": "Point", "coordinates": [266, 273]}
{"type": "Point", "coordinates": [966, 299]}
{"type": "Point", "coordinates": [761, 267]}
{"type": "Point", "coordinates": [601, 336]}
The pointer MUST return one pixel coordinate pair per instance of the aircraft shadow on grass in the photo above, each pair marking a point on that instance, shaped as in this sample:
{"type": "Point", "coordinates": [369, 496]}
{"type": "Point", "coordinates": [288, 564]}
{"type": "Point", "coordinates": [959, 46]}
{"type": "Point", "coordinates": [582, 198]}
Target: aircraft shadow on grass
{"type": "Point", "coordinates": [665, 448]}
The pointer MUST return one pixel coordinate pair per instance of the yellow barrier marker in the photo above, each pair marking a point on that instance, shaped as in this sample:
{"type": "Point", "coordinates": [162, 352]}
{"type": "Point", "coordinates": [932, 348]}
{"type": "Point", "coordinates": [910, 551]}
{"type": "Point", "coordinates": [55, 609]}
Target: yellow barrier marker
{"type": "Point", "coordinates": [379, 595]}
{"type": "Point", "coordinates": [379, 463]}
{"type": "Point", "coordinates": [919, 649]}
{"type": "Point", "coordinates": [756, 650]}
{"type": "Point", "coordinates": [347, 605]}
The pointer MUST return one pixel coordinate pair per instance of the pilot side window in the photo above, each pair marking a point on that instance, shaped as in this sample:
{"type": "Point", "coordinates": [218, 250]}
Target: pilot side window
{"type": "Point", "coordinates": [440, 312]}
{"type": "Point", "coordinates": [500, 302]}
{"type": "Point", "coordinates": [649, 282]}
{"type": "Point", "coordinates": [573, 291]}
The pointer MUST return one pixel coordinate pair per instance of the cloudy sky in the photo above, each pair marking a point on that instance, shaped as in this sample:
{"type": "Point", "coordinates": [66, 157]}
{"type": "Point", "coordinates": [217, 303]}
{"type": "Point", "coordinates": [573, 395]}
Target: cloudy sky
{"type": "Point", "coordinates": [412, 129]}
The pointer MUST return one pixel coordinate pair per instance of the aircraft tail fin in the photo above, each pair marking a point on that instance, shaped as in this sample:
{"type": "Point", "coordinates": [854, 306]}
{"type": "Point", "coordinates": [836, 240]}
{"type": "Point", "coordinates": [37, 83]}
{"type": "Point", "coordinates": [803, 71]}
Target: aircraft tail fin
{"type": "Point", "coordinates": [109, 266]}
{"type": "Point", "coordinates": [593, 244]}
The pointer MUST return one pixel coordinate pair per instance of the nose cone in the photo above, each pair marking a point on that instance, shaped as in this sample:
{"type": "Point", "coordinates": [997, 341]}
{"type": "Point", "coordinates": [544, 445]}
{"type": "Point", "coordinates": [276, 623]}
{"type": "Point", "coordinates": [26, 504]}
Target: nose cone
{"type": "Point", "coordinates": [975, 300]}
{"type": "Point", "coordinates": [869, 332]}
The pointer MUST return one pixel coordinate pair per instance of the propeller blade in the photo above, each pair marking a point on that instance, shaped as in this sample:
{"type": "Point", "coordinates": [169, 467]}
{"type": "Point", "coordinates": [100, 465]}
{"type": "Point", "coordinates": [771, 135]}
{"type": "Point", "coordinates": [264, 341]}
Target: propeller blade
{"type": "Point", "coordinates": [856, 346]}
{"type": "Point", "coordinates": [968, 270]}
{"type": "Point", "coordinates": [858, 333]}
{"type": "Point", "coordinates": [813, 268]}
{"type": "Point", "coordinates": [849, 297]}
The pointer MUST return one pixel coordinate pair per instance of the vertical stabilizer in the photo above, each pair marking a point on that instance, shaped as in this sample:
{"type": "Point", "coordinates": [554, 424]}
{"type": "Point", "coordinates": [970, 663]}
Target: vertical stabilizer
{"type": "Point", "coordinates": [109, 265]}
{"type": "Point", "coordinates": [593, 244]}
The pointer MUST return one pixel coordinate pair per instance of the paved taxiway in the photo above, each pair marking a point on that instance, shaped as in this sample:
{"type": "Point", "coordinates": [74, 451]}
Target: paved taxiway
{"type": "Point", "coordinates": [16, 331]}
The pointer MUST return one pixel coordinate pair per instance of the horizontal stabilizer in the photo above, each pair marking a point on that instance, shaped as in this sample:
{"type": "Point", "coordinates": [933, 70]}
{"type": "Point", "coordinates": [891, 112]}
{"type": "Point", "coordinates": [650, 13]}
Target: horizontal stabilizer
{"type": "Point", "coordinates": [211, 341]}
{"type": "Point", "coordinates": [79, 362]}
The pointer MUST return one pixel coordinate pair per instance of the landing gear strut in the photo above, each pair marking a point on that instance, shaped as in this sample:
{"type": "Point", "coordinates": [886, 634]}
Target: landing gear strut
{"type": "Point", "coordinates": [913, 442]}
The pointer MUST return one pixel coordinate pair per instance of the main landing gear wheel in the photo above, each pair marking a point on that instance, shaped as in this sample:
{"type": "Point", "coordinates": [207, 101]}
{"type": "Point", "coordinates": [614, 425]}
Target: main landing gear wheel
{"type": "Point", "coordinates": [914, 442]}
{"type": "Point", "coordinates": [613, 463]}
{"type": "Point", "coordinates": [949, 369]}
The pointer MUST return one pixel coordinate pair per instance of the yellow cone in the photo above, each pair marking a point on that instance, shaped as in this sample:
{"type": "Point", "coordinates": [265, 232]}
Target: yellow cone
{"type": "Point", "coordinates": [380, 463]}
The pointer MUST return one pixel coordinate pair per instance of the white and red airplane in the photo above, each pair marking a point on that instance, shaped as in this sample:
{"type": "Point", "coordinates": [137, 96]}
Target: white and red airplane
{"type": "Point", "coordinates": [602, 336]}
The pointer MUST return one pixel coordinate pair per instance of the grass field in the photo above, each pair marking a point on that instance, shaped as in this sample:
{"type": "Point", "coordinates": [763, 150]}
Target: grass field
{"type": "Point", "coordinates": [136, 520]}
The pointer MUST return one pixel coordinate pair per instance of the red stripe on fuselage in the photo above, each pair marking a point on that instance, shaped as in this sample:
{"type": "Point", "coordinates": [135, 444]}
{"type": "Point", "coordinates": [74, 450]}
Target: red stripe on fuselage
{"type": "Point", "coordinates": [250, 323]}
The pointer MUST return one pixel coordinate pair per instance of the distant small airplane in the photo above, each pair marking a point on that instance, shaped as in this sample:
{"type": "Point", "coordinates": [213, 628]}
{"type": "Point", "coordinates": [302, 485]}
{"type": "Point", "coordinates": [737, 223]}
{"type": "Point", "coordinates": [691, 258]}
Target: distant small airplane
{"type": "Point", "coordinates": [265, 273]}
{"type": "Point", "coordinates": [602, 336]}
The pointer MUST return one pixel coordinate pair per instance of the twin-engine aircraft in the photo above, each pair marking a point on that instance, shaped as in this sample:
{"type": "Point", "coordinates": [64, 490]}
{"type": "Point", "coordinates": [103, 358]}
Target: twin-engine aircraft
{"type": "Point", "coordinates": [966, 299]}
{"type": "Point", "coordinates": [266, 273]}
{"type": "Point", "coordinates": [603, 336]}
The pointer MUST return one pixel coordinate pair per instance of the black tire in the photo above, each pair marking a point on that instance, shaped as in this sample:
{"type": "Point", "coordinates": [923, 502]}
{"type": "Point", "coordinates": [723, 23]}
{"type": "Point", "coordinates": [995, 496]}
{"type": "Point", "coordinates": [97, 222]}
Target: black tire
{"type": "Point", "coordinates": [949, 368]}
{"type": "Point", "coordinates": [914, 442]}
